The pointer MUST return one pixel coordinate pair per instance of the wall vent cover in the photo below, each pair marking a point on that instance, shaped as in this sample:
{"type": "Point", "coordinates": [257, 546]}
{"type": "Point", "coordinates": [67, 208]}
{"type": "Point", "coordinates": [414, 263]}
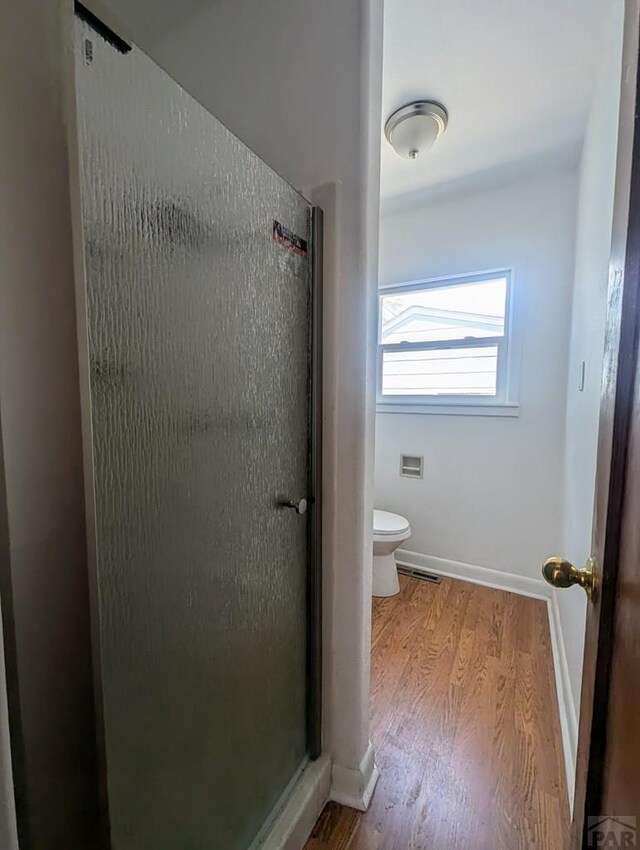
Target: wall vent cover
{"type": "Point", "coordinates": [411, 466]}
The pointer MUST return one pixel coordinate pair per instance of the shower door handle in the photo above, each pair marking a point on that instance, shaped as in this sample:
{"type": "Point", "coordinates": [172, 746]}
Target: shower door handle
{"type": "Point", "coordinates": [299, 507]}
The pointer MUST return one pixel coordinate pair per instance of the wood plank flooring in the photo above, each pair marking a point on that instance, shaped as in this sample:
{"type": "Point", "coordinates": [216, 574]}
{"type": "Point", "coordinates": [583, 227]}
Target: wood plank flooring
{"type": "Point", "coordinates": [465, 726]}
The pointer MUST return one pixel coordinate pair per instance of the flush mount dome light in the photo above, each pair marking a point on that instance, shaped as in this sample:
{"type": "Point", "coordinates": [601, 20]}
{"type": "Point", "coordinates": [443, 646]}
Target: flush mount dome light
{"type": "Point", "coordinates": [413, 129]}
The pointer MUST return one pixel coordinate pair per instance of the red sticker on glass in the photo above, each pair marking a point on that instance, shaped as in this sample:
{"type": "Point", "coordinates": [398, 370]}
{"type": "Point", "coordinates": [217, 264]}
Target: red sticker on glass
{"type": "Point", "coordinates": [288, 239]}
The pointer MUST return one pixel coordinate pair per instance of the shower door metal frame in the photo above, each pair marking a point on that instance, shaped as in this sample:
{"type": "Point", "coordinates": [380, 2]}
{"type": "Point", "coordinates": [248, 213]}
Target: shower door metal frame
{"type": "Point", "coordinates": [314, 557]}
{"type": "Point", "coordinates": [314, 604]}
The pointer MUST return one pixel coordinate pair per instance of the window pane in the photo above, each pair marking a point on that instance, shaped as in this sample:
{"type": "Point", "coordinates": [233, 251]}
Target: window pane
{"type": "Point", "coordinates": [450, 371]}
{"type": "Point", "coordinates": [460, 311]}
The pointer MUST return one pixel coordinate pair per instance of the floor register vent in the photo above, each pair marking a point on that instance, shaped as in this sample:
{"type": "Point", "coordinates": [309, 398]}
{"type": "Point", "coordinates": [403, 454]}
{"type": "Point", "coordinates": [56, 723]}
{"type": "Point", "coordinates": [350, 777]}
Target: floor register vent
{"type": "Point", "coordinates": [409, 571]}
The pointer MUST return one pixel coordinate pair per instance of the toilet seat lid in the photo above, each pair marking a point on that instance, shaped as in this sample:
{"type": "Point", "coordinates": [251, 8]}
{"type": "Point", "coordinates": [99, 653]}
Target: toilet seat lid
{"type": "Point", "coordinates": [385, 522]}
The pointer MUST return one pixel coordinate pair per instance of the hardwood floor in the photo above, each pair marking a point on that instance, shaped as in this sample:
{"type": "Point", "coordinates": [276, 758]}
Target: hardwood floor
{"type": "Point", "coordinates": [465, 725]}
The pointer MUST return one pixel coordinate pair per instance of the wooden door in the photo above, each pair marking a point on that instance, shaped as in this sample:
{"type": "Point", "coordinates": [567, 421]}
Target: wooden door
{"type": "Point", "coordinates": [607, 777]}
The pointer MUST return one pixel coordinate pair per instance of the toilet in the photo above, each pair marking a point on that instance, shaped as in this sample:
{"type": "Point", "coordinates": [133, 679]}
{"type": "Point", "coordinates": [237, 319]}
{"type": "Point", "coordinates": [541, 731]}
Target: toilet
{"type": "Point", "coordinates": [389, 531]}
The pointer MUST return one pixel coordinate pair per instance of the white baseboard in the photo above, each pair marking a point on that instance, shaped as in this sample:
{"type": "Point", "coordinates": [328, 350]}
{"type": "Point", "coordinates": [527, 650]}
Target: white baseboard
{"type": "Point", "coordinates": [295, 818]}
{"type": "Point", "coordinates": [566, 703]}
{"type": "Point", "coordinates": [355, 787]}
{"type": "Point", "coordinates": [537, 589]}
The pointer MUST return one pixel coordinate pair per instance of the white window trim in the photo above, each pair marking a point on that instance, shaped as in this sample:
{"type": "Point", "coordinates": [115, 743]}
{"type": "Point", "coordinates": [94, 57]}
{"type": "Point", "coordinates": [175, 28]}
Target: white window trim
{"type": "Point", "coordinates": [503, 403]}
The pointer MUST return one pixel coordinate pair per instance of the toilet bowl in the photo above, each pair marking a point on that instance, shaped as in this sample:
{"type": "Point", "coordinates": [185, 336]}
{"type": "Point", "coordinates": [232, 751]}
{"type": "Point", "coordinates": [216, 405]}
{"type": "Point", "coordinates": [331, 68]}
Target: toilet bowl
{"type": "Point", "coordinates": [389, 531]}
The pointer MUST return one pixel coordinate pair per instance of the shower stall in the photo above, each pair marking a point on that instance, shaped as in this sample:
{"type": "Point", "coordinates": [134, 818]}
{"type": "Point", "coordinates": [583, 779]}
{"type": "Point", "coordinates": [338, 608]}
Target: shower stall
{"type": "Point", "coordinates": [199, 298]}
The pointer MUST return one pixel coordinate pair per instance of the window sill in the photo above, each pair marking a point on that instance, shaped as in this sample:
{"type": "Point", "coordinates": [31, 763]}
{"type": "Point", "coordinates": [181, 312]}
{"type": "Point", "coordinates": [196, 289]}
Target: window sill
{"type": "Point", "coordinates": [496, 408]}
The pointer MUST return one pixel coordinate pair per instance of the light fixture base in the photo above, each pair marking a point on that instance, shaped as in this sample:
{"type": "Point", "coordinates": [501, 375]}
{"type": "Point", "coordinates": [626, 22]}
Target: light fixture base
{"type": "Point", "coordinates": [410, 137]}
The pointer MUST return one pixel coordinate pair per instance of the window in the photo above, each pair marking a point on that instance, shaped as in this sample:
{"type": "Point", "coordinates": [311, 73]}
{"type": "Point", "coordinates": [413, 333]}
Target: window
{"type": "Point", "coordinates": [445, 343]}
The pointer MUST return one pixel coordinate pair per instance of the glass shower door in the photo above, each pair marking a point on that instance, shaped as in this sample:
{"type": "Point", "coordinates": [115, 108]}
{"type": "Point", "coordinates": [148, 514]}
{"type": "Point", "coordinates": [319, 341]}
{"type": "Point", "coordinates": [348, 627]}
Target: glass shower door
{"type": "Point", "coordinates": [198, 313]}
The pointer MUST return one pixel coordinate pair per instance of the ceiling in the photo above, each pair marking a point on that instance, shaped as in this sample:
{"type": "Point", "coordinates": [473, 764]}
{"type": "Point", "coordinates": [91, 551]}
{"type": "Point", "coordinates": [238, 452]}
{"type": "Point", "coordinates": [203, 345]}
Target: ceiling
{"type": "Point", "coordinates": [516, 77]}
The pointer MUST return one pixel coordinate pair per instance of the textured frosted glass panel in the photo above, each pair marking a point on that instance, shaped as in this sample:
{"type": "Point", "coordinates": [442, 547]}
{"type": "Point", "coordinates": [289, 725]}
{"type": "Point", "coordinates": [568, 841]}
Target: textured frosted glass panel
{"type": "Point", "coordinates": [198, 331]}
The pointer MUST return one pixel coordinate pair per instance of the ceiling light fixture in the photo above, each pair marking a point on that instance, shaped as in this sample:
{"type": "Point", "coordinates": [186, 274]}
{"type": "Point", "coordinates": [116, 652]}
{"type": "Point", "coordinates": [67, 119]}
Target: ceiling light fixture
{"type": "Point", "coordinates": [414, 128]}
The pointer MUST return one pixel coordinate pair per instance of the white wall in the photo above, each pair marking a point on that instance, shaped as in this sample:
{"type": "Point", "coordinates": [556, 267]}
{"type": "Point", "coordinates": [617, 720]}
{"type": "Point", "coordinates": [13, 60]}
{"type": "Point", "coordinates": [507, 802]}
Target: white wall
{"type": "Point", "coordinates": [299, 81]}
{"type": "Point", "coordinates": [593, 247]}
{"type": "Point", "coordinates": [43, 547]}
{"type": "Point", "coordinates": [492, 489]}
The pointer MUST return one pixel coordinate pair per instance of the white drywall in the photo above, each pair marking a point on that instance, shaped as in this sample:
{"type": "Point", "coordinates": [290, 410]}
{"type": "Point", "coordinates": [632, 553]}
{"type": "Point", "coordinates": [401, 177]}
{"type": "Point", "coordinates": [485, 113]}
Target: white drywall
{"type": "Point", "coordinates": [43, 570]}
{"type": "Point", "coordinates": [491, 495]}
{"type": "Point", "coordinates": [299, 81]}
{"type": "Point", "coordinates": [593, 247]}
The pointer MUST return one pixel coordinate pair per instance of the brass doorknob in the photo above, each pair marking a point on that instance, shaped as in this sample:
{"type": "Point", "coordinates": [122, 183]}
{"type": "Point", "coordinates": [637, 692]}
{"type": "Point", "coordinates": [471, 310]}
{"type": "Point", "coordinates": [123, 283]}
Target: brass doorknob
{"type": "Point", "coordinates": [561, 573]}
